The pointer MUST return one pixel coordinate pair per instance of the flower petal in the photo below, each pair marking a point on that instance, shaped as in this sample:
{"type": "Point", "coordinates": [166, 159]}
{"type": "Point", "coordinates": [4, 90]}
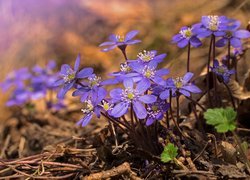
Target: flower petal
{"type": "Point", "coordinates": [108, 43]}
{"type": "Point", "coordinates": [188, 76]}
{"type": "Point", "coordinates": [235, 42]}
{"type": "Point", "coordinates": [221, 42]}
{"type": "Point", "coordinates": [195, 42]}
{"type": "Point", "coordinates": [85, 120]}
{"type": "Point", "coordinates": [242, 34]}
{"type": "Point", "coordinates": [192, 88]}
{"type": "Point", "coordinates": [64, 90]}
{"type": "Point", "coordinates": [162, 72]}
{"type": "Point", "coordinates": [86, 72]}
{"type": "Point", "coordinates": [116, 93]}
{"type": "Point", "coordinates": [183, 43]}
{"type": "Point", "coordinates": [184, 92]}
{"type": "Point", "coordinates": [64, 69]}
{"type": "Point", "coordinates": [130, 35]}
{"type": "Point", "coordinates": [139, 110]}
{"type": "Point", "coordinates": [143, 85]}
{"type": "Point", "coordinates": [77, 63]}
{"type": "Point", "coordinates": [147, 99]}
{"type": "Point", "coordinates": [120, 109]}
{"type": "Point", "coordinates": [165, 94]}
{"type": "Point", "coordinates": [128, 83]}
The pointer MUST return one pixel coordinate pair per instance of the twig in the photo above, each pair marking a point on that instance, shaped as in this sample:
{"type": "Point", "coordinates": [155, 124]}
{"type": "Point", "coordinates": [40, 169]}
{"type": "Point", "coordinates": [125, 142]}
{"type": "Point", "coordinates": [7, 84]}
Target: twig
{"type": "Point", "coordinates": [5, 146]}
{"type": "Point", "coordinates": [202, 151]}
{"type": "Point", "coordinates": [116, 171]}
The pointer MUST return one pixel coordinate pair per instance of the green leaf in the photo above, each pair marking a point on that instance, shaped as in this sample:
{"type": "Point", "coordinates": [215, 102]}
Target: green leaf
{"type": "Point", "coordinates": [169, 153]}
{"type": "Point", "coordinates": [222, 119]}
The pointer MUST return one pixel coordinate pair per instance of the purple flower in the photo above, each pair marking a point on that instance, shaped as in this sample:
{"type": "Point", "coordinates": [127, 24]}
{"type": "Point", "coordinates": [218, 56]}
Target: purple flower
{"type": "Point", "coordinates": [209, 25]}
{"type": "Point", "coordinates": [70, 77]}
{"type": "Point", "coordinates": [185, 36]}
{"type": "Point", "coordinates": [124, 98]}
{"type": "Point", "coordinates": [91, 88]}
{"type": "Point", "coordinates": [18, 97]}
{"type": "Point", "coordinates": [181, 85]}
{"type": "Point", "coordinates": [16, 78]}
{"type": "Point", "coordinates": [233, 36]}
{"type": "Point", "coordinates": [120, 41]}
{"type": "Point", "coordinates": [147, 72]}
{"type": "Point", "coordinates": [90, 108]}
{"type": "Point", "coordinates": [222, 71]}
{"type": "Point", "coordinates": [149, 56]}
{"type": "Point", "coordinates": [156, 111]}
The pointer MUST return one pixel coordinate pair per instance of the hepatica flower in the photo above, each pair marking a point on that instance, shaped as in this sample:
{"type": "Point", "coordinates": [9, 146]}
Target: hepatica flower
{"type": "Point", "coordinates": [181, 85]}
{"type": "Point", "coordinates": [222, 71]}
{"type": "Point", "coordinates": [233, 36]}
{"type": "Point", "coordinates": [120, 41]}
{"type": "Point", "coordinates": [212, 24]}
{"type": "Point", "coordinates": [91, 87]}
{"type": "Point", "coordinates": [156, 111]}
{"type": "Point", "coordinates": [149, 56]}
{"type": "Point", "coordinates": [16, 78]}
{"type": "Point", "coordinates": [186, 36]}
{"type": "Point", "coordinates": [148, 72]}
{"type": "Point", "coordinates": [130, 96]}
{"type": "Point", "coordinates": [90, 108]}
{"type": "Point", "coordinates": [70, 76]}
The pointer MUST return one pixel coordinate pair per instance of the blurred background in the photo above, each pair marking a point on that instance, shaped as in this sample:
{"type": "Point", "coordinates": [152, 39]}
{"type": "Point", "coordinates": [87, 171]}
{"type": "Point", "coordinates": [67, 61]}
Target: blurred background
{"type": "Point", "coordinates": [34, 32]}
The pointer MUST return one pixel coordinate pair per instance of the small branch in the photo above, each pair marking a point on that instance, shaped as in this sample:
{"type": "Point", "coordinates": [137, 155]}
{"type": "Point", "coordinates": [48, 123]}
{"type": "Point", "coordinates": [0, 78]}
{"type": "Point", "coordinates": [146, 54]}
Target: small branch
{"type": "Point", "coordinates": [116, 171]}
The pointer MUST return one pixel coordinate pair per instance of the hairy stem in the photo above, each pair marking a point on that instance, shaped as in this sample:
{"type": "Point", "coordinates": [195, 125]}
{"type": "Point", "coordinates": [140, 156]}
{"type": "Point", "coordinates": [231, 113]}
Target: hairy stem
{"type": "Point", "coordinates": [208, 68]}
{"type": "Point", "coordinates": [231, 95]}
{"type": "Point", "coordinates": [188, 57]}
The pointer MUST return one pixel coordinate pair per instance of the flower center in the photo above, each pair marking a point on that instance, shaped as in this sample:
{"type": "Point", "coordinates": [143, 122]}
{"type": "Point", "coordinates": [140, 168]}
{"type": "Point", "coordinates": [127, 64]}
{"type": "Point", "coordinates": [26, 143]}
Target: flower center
{"type": "Point", "coordinates": [70, 76]}
{"type": "Point", "coordinates": [229, 34]}
{"type": "Point", "coordinates": [124, 67]}
{"type": "Point", "coordinates": [187, 33]}
{"type": "Point", "coordinates": [120, 38]}
{"type": "Point", "coordinates": [129, 94]}
{"type": "Point", "coordinates": [178, 82]}
{"type": "Point", "coordinates": [148, 73]}
{"type": "Point", "coordinates": [106, 106]}
{"type": "Point", "coordinates": [154, 108]}
{"type": "Point", "coordinates": [146, 56]}
{"type": "Point", "coordinates": [221, 70]}
{"type": "Point", "coordinates": [94, 80]}
{"type": "Point", "coordinates": [213, 23]}
{"type": "Point", "coordinates": [88, 107]}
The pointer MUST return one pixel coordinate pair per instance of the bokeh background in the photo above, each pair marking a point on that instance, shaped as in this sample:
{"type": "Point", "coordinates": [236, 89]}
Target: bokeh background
{"type": "Point", "coordinates": [35, 31]}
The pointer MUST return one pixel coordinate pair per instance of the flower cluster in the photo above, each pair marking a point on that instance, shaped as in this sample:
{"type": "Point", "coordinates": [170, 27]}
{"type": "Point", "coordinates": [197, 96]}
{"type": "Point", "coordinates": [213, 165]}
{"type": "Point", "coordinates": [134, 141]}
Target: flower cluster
{"type": "Point", "coordinates": [34, 84]}
{"type": "Point", "coordinates": [144, 93]}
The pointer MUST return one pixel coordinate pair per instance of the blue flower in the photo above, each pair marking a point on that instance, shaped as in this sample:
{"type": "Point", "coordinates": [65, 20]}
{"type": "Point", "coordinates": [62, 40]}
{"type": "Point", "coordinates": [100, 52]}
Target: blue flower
{"type": "Point", "coordinates": [209, 25]}
{"type": "Point", "coordinates": [233, 36]}
{"type": "Point", "coordinates": [156, 111]}
{"type": "Point", "coordinates": [91, 88]}
{"type": "Point", "coordinates": [71, 76]}
{"type": "Point", "coordinates": [149, 56]}
{"type": "Point", "coordinates": [120, 41]}
{"type": "Point", "coordinates": [222, 71]}
{"type": "Point", "coordinates": [185, 36]}
{"type": "Point", "coordinates": [124, 98]}
{"type": "Point", "coordinates": [90, 108]}
{"type": "Point", "coordinates": [147, 72]}
{"type": "Point", "coordinates": [16, 78]}
{"type": "Point", "coordinates": [181, 85]}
